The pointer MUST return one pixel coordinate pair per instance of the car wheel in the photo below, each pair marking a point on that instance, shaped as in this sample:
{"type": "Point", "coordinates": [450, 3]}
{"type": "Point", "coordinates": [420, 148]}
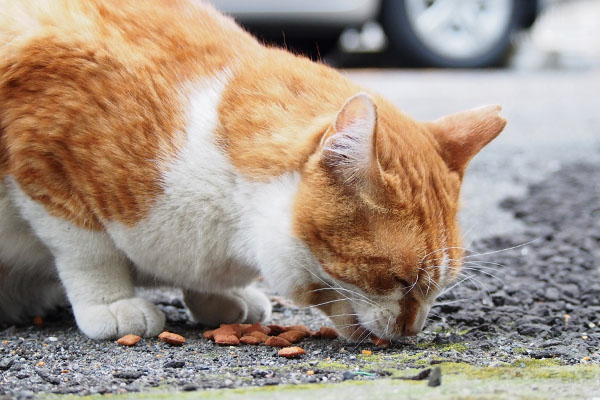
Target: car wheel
{"type": "Point", "coordinates": [451, 33]}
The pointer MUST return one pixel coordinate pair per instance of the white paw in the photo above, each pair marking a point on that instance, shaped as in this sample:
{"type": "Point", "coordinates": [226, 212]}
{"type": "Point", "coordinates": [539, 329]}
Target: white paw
{"type": "Point", "coordinates": [258, 304]}
{"type": "Point", "coordinates": [246, 305]}
{"type": "Point", "coordinates": [109, 321]}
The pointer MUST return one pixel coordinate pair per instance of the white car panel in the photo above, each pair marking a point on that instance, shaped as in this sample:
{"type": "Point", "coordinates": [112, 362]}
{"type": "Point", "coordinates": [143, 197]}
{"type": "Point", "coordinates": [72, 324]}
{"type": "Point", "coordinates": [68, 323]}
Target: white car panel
{"type": "Point", "coordinates": [335, 12]}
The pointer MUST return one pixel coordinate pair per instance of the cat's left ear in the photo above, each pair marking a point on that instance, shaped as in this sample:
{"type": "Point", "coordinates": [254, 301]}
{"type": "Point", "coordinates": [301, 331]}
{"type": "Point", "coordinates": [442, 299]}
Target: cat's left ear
{"type": "Point", "coordinates": [349, 147]}
{"type": "Point", "coordinates": [464, 134]}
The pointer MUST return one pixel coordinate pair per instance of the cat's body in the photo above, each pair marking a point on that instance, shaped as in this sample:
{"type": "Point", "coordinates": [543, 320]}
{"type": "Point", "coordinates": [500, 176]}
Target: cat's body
{"type": "Point", "coordinates": [157, 139]}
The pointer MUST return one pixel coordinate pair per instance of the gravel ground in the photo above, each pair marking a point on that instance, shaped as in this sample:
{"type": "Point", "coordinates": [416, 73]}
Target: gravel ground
{"type": "Point", "coordinates": [538, 300]}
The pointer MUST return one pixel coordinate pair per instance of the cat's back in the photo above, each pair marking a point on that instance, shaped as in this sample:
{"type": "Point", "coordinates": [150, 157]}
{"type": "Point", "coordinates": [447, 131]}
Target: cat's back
{"type": "Point", "coordinates": [92, 93]}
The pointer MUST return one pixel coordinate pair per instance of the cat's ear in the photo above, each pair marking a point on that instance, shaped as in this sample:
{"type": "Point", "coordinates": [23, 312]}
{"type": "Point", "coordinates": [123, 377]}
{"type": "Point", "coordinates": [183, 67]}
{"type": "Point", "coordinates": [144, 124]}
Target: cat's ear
{"type": "Point", "coordinates": [349, 146]}
{"type": "Point", "coordinates": [464, 134]}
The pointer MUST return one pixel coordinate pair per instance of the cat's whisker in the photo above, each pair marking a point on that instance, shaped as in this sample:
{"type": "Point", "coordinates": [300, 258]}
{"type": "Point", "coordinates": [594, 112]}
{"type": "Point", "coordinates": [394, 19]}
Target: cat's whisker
{"type": "Point", "coordinates": [501, 250]}
{"type": "Point", "coordinates": [476, 266]}
{"type": "Point", "coordinates": [455, 285]}
{"type": "Point", "coordinates": [443, 249]}
{"type": "Point", "coordinates": [365, 299]}
{"type": "Point", "coordinates": [364, 336]}
{"type": "Point", "coordinates": [484, 272]}
{"type": "Point", "coordinates": [446, 303]}
{"type": "Point", "coordinates": [411, 287]}
{"type": "Point", "coordinates": [359, 324]}
{"type": "Point", "coordinates": [322, 304]}
{"type": "Point", "coordinates": [388, 325]}
{"type": "Point", "coordinates": [480, 285]}
{"type": "Point", "coordinates": [333, 316]}
{"type": "Point", "coordinates": [337, 290]}
{"type": "Point", "coordinates": [430, 280]}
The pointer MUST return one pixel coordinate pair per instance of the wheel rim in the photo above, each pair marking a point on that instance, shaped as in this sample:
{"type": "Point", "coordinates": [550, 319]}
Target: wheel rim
{"type": "Point", "coordinates": [459, 29]}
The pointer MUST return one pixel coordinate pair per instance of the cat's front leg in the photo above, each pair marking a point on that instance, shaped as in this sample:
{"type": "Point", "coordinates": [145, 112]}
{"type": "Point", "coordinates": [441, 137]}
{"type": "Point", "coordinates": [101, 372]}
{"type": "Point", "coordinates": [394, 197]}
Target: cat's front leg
{"type": "Point", "coordinates": [100, 290]}
{"type": "Point", "coordinates": [245, 305]}
{"type": "Point", "coordinates": [95, 274]}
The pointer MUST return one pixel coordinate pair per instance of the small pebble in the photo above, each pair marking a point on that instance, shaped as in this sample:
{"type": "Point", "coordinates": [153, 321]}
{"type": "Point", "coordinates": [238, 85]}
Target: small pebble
{"type": "Point", "coordinates": [435, 377]}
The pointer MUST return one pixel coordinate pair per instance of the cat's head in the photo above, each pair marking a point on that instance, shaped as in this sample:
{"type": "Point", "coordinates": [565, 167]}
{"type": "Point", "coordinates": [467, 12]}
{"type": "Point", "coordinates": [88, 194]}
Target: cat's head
{"type": "Point", "coordinates": [377, 207]}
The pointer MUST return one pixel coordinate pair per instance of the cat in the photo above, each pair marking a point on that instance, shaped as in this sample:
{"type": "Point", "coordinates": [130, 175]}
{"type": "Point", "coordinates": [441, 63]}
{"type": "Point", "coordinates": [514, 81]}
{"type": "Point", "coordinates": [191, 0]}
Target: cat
{"type": "Point", "coordinates": [157, 141]}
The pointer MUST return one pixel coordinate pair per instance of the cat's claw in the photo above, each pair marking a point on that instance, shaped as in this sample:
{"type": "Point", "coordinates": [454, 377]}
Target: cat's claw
{"type": "Point", "coordinates": [127, 316]}
{"type": "Point", "coordinates": [247, 305]}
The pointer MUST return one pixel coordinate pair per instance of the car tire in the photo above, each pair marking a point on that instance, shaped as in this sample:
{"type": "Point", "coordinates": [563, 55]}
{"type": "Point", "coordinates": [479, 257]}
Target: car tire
{"type": "Point", "coordinates": [413, 47]}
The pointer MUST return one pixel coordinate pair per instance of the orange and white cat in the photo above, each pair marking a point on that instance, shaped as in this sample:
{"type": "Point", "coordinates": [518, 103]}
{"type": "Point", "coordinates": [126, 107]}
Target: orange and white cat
{"type": "Point", "coordinates": [155, 140]}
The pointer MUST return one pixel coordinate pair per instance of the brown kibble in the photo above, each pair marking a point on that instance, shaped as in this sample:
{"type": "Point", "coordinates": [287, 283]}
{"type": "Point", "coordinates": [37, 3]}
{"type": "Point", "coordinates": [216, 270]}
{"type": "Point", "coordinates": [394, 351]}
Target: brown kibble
{"type": "Point", "coordinates": [259, 335]}
{"type": "Point", "coordinates": [277, 329]}
{"type": "Point", "coordinates": [275, 341]}
{"type": "Point", "coordinates": [300, 328]}
{"type": "Point", "coordinates": [229, 329]}
{"type": "Point", "coordinates": [328, 333]}
{"type": "Point", "coordinates": [171, 338]}
{"type": "Point", "coordinates": [257, 327]}
{"type": "Point", "coordinates": [293, 336]}
{"type": "Point", "coordinates": [380, 342]}
{"type": "Point", "coordinates": [40, 364]}
{"type": "Point", "coordinates": [315, 334]}
{"type": "Point", "coordinates": [38, 321]}
{"type": "Point", "coordinates": [250, 340]}
{"type": "Point", "coordinates": [366, 352]}
{"type": "Point", "coordinates": [208, 335]}
{"type": "Point", "coordinates": [227, 340]}
{"type": "Point", "coordinates": [129, 340]}
{"type": "Point", "coordinates": [310, 372]}
{"type": "Point", "coordinates": [290, 352]}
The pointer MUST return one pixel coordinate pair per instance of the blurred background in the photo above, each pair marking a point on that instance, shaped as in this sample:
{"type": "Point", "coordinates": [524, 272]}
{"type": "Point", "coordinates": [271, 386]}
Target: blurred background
{"type": "Point", "coordinates": [539, 59]}
{"type": "Point", "coordinates": [429, 33]}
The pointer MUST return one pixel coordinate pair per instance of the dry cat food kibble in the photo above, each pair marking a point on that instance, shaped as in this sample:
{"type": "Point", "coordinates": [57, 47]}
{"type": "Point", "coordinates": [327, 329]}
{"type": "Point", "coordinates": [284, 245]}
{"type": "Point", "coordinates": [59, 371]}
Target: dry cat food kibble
{"type": "Point", "coordinates": [271, 335]}
{"type": "Point", "coordinates": [129, 340]}
{"type": "Point", "coordinates": [290, 352]}
{"type": "Point", "coordinates": [276, 341]}
{"type": "Point", "coordinates": [171, 338]}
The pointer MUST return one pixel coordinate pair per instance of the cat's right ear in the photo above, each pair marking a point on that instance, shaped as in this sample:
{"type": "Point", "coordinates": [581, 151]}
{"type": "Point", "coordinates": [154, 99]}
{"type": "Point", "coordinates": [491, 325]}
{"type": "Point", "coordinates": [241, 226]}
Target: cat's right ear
{"type": "Point", "coordinates": [463, 134]}
{"type": "Point", "coordinates": [349, 147]}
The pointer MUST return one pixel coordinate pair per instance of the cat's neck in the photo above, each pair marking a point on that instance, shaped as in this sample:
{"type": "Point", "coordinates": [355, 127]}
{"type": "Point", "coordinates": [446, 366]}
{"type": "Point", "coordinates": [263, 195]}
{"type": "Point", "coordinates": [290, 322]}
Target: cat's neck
{"type": "Point", "coordinates": [265, 236]}
{"type": "Point", "coordinates": [271, 122]}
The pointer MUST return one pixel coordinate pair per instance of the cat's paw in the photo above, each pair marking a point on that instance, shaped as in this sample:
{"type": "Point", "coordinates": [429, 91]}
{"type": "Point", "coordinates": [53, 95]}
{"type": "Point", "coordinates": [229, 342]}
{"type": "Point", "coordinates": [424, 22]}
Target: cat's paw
{"type": "Point", "coordinates": [257, 303]}
{"type": "Point", "coordinates": [247, 305]}
{"type": "Point", "coordinates": [128, 316]}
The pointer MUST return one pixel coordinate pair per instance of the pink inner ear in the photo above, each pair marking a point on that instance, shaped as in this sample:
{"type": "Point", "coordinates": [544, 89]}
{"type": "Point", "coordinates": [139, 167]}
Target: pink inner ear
{"type": "Point", "coordinates": [350, 150]}
{"type": "Point", "coordinates": [464, 134]}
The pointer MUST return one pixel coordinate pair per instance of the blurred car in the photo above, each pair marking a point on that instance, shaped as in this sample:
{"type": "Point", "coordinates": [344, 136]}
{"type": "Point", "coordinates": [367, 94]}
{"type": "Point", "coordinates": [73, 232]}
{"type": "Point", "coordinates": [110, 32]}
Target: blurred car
{"type": "Point", "coordinates": [438, 33]}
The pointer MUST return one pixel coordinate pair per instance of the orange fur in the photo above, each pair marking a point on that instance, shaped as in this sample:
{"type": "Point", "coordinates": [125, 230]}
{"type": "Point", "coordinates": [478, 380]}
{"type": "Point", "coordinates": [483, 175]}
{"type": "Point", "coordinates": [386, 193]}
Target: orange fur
{"type": "Point", "coordinates": [92, 101]}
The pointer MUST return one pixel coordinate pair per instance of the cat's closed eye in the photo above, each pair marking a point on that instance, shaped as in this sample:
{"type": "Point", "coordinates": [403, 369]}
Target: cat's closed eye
{"type": "Point", "coordinates": [401, 282]}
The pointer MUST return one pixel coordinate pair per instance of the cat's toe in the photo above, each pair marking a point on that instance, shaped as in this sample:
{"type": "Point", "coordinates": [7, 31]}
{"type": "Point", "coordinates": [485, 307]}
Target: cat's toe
{"type": "Point", "coordinates": [128, 316]}
{"type": "Point", "coordinates": [259, 305]}
{"type": "Point", "coordinates": [137, 316]}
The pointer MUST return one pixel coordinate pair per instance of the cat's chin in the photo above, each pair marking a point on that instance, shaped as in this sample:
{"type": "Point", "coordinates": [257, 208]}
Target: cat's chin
{"type": "Point", "coordinates": [357, 333]}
